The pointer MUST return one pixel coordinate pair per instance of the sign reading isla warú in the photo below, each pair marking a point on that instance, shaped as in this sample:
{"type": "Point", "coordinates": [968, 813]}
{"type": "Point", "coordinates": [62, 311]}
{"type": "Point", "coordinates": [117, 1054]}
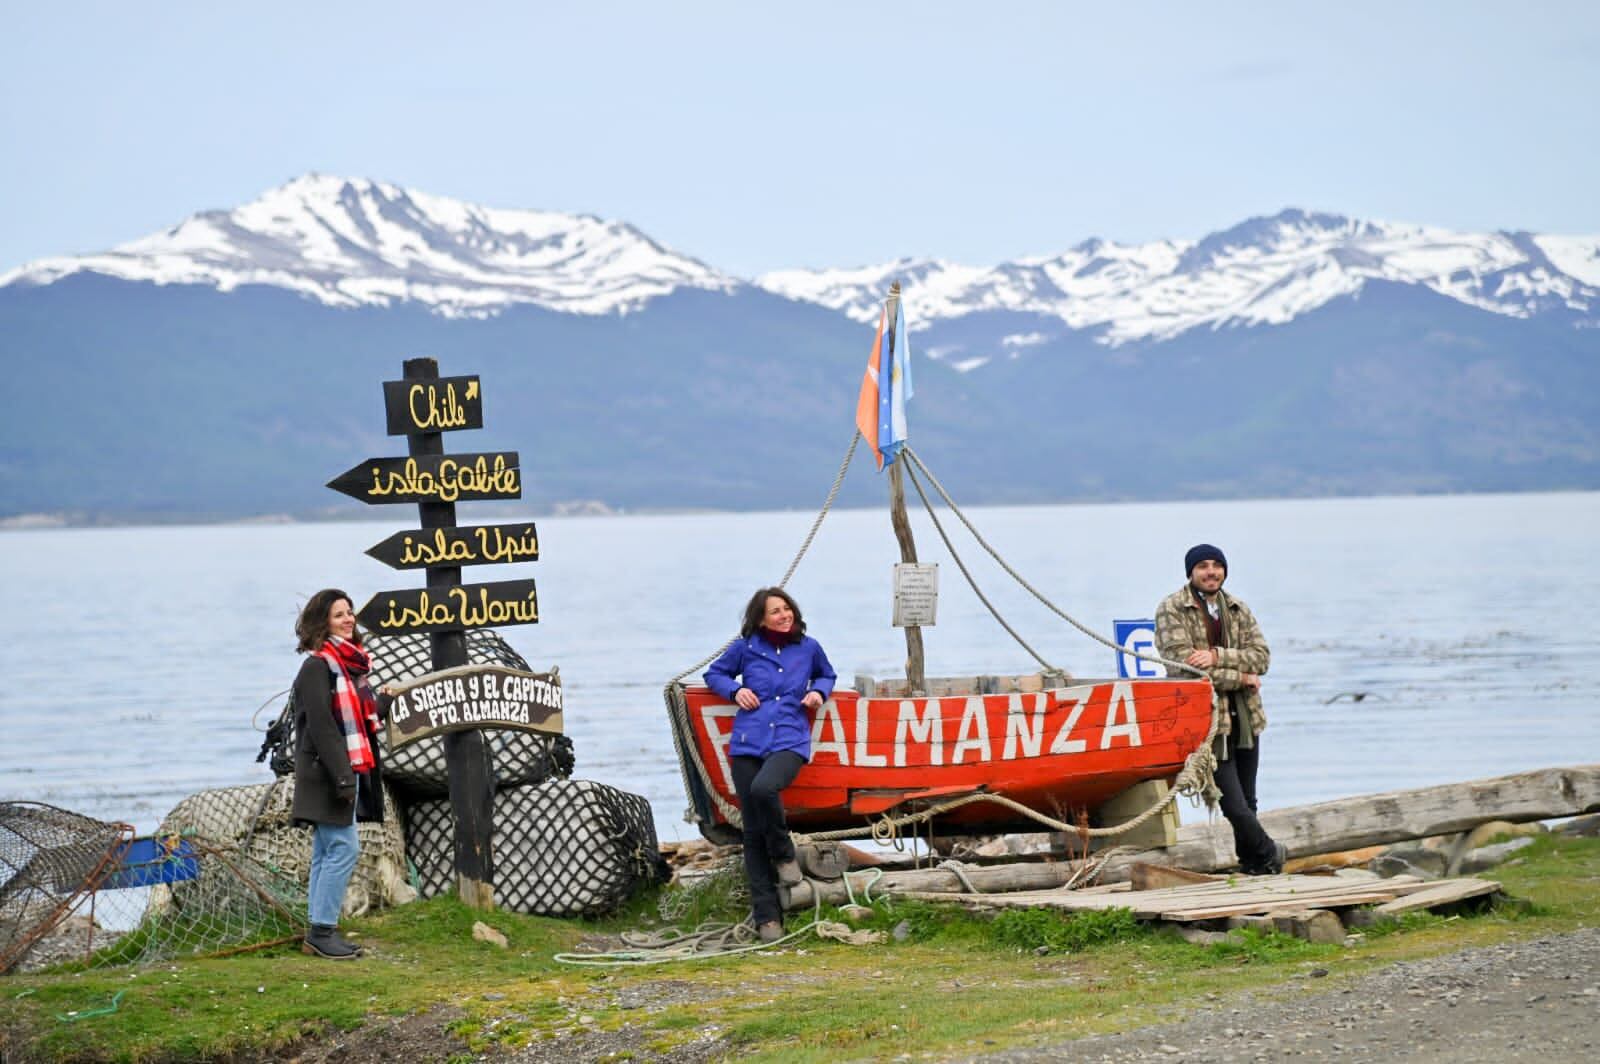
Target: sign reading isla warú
{"type": "Point", "coordinates": [445, 609]}
{"type": "Point", "coordinates": [433, 478]}
{"type": "Point", "coordinates": [418, 548]}
{"type": "Point", "coordinates": [474, 696]}
{"type": "Point", "coordinates": [437, 405]}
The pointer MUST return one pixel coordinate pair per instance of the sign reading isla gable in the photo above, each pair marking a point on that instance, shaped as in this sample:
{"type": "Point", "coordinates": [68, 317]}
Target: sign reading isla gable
{"type": "Point", "coordinates": [438, 405]}
{"type": "Point", "coordinates": [475, 696]}
{"type": "Point", "coordinates": [433, 478]}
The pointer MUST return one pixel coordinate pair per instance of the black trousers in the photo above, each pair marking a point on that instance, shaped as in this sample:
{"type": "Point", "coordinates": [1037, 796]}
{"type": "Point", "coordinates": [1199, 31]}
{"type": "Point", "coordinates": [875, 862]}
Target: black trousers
{"type": "Point", "coordinates": [1236, 778]}
{"type": "Point", "coordinates": [759, 781]}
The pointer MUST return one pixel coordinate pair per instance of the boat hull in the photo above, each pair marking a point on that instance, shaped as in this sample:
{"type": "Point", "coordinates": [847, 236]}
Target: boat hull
{"type": "Point", "coordinates": [1056, 751]}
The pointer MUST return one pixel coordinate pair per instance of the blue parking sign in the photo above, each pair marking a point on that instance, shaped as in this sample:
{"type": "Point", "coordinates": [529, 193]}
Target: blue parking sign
{"type": "Point", "coordinates": [1139, 637]}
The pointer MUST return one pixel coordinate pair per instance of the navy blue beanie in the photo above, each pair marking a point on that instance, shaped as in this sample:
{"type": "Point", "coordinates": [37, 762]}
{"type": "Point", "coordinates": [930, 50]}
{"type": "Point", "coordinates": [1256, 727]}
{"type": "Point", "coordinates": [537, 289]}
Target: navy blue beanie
{"type": "Point", "coordinates": [1202, 552]}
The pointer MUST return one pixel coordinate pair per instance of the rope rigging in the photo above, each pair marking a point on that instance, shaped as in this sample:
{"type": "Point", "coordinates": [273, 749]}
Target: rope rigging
{"type": "Point", "coordinates": [1193, 780]}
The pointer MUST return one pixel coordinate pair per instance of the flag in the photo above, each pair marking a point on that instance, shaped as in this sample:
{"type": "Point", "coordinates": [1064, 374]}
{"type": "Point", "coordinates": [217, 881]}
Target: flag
{"type": "Point", "coordinates": [885, 387]}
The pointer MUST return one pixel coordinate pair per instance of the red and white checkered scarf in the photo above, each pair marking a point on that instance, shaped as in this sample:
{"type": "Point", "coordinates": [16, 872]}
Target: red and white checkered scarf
{"type": "Point", "coordinates": [354, 708]}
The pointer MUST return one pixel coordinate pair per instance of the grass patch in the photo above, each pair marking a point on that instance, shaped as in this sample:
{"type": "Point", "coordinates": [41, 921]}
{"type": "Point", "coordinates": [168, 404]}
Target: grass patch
{"type": "Point", "coordinates": [955, 984]}
{"type": "Point", "coordinates": [1050, 931]}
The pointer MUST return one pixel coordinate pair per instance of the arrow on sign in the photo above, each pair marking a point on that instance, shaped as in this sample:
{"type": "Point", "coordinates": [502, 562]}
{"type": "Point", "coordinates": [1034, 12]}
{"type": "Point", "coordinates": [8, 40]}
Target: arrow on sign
{"type": "Point", "coordinates": [433, 478]}
{"type": "Point", "coordinates": [448, 609]}
{"type": "Point", "coordinates": [418, 548]}
{"type": "Point", "coordinates": [438, 404]}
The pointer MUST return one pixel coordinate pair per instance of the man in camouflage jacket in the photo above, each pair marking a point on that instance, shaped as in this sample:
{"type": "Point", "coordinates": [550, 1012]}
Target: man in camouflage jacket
{"type": "Point", "coordinates": [1214, 632]}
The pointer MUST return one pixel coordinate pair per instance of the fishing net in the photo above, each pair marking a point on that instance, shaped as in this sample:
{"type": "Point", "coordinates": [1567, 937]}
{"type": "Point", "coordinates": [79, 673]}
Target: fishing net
{"type": "Point", "coordinates": [256, 821]}
{"type": "Point", "coordinates": [563, 848]}
{"type": "Point", "coordinates": [50, 859]}
{"type": "Point", "coordinates": [86, 891]}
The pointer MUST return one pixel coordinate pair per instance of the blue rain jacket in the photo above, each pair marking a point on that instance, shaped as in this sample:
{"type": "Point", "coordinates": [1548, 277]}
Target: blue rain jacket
{"type": "Point", "coordinates": [780, 678]}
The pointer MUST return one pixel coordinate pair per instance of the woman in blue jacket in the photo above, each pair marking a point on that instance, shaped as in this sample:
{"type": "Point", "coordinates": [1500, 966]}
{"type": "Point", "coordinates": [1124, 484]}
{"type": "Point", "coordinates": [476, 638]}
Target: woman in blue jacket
{"type": "Point", "coordinates": [774, 673]}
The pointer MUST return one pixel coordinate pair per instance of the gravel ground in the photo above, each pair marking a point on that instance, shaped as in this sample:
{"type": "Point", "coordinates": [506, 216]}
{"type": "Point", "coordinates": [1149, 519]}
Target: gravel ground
{"type": "Point", "coordinates": [1529, 1001]}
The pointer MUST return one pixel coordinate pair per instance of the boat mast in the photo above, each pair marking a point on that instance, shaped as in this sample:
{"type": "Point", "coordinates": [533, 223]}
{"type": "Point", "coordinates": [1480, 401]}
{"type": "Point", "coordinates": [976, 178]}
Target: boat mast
{"type": "Point", "coordinates": [916, 678]}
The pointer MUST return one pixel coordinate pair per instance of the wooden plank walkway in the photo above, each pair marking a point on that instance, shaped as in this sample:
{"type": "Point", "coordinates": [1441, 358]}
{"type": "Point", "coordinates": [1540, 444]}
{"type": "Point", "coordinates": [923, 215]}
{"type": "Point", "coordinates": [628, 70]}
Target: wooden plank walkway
{"type": "Point", "coordinates": [1238, 896]}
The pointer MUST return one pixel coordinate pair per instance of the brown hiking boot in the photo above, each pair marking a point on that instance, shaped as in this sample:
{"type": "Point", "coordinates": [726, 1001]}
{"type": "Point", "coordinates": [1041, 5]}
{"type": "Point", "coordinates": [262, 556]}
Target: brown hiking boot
{"type": "Point", "coordinates": [770, 931]}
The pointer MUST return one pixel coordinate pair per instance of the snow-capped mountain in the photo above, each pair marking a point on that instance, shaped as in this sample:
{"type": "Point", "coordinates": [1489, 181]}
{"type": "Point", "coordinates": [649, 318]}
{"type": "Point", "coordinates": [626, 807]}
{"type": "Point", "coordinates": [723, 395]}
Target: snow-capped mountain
{"type": "Point", "coordinates": [349, 242]}
{"type": "Point", "coordinates": [352, 242]}
{"type": "Point", "coordinates": [1262, 271]}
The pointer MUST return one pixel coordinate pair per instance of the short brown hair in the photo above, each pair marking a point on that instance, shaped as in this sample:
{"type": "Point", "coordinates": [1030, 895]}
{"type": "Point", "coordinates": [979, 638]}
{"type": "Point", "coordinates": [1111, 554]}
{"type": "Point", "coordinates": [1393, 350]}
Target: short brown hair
{"type": "Point", "coordinates": [312, 626]}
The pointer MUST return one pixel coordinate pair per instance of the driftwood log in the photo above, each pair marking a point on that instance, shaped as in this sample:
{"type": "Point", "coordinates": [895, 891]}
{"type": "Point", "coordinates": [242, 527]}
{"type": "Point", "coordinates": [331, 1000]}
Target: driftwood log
{"type": "Point", "coordinates": [1326, 827]}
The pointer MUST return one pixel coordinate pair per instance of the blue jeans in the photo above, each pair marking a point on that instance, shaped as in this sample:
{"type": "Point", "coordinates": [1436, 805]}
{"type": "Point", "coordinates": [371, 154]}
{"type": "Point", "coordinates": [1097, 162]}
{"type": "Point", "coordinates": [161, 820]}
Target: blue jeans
{"type": "Point", "coordinates": [334, 851]}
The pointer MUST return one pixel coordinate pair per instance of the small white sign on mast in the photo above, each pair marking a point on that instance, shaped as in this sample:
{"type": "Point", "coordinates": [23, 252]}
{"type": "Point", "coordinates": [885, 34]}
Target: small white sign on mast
{"type": "Point", "coordinates": [916, 595]}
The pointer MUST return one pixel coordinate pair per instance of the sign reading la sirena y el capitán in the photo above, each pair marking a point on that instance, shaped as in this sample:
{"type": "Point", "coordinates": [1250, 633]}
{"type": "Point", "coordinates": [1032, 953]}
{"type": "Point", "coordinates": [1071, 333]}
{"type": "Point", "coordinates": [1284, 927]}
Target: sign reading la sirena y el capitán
{"type": "Point", "coordinates": [474, 696]}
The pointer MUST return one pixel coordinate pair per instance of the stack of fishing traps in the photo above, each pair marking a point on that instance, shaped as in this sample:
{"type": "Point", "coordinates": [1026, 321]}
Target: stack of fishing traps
{"type": "Point", "coordinates": [562, 847]}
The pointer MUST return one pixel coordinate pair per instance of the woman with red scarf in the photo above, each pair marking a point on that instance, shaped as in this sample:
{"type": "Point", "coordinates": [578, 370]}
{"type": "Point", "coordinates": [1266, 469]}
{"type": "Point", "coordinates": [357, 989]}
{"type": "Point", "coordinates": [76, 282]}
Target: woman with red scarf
{"type": "Point", "coordinates": [336, 777]}
{"type": "Point", "coordinates": [775, 674]}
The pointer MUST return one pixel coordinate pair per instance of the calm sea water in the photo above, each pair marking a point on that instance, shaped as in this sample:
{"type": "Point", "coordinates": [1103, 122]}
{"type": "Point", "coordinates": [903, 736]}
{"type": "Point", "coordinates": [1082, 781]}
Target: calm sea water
{"type": "Point", "coordinates": [134, 658]}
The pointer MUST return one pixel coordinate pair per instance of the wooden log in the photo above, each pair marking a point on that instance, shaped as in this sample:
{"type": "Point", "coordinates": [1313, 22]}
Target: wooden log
{"type": "Point", "coordinates": [1325, 827]}
{"type": "Point", "coordinates": [994, 878]}
{"type": "Point", "coordinates": [1395, 816]}
{"type": "Point", "coordinates": [1146, 876]}
{"type": "Point", "coordinates": [1328, 862]}
{"type": "Point", "coordinates": [1445, 892]}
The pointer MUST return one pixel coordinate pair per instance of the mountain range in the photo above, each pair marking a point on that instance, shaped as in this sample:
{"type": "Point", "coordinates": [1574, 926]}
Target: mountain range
{"type": "Point", "coordinates": [228, 366]}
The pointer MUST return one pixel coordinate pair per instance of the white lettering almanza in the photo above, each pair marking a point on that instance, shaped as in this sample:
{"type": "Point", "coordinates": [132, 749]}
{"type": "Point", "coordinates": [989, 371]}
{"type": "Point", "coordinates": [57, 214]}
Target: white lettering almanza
{"type": "Point", "coordinates": [838, 746]}
{"type": "Point", "coordinates": [1063, 742]}
{"type": "Point", "coordinates": [864, 757]}
{"type": "Point", "coordinates": [976, 721]}
{"type": "Point", "coordinates": [1121, 696]}
{"type": "Point", "coordinates": [929, 729]}
{"type": "Point", "coordinates": [1019, 731]}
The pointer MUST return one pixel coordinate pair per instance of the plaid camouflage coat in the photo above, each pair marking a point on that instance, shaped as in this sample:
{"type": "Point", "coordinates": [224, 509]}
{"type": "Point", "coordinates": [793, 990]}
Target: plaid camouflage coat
{"type": "Point", "coordinates": [1181, 630]}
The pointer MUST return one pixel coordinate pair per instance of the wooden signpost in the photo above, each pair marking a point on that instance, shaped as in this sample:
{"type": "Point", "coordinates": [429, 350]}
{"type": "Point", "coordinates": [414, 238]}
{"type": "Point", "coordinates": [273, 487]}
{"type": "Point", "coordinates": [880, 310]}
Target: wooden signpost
{"type": "Point", "coordinates": [455, 700]}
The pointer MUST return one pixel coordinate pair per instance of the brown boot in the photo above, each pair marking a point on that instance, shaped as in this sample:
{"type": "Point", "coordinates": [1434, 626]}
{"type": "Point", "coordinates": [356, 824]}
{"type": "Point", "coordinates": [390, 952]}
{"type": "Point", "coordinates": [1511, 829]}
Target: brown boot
{"type": "Point", "coordinates": [770, 931]}
{"type": "Point", "coordinates": [789, 873]}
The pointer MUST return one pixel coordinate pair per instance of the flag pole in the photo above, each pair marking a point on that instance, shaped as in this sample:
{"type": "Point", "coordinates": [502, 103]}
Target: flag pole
{"type": "Point", "coordinates": [916, 678]}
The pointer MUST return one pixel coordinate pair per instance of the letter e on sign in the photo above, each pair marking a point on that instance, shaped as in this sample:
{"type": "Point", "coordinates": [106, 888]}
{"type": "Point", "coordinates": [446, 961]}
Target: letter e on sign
{"type": "Point", "coordinates": [1139, 637]}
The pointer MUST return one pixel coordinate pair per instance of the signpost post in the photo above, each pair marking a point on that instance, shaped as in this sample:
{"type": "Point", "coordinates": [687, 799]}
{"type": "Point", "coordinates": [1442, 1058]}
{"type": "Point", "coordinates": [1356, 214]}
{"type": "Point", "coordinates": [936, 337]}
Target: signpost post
{"type": "Point", "coordinates": [454, 700]}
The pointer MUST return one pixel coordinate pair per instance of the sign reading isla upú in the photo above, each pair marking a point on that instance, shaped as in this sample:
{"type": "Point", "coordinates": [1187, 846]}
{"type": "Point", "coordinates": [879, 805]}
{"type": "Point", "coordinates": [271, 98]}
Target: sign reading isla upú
{"type": "Point", "coordinates": [433, 478]}
{"type": "Point", "coordinates": [418, 548]}
{"type": "Point", "coordinates": [438, 405]}
{"type": "Point", "coordinates": [445, 609]}
{"type": "Point", "coordinates": [474, 696]}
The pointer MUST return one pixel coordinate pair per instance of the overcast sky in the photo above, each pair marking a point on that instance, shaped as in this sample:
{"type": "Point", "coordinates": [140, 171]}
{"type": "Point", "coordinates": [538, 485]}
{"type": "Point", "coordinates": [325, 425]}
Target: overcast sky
{"type": "Point", "coordinates": [761, 136]}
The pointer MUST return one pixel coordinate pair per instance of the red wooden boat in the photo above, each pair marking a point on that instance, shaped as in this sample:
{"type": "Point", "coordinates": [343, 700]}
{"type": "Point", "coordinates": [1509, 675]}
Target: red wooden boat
{"type": "Point", "coordinates": [1054, 745]}
{"type": "Point", "coordinates": [1056, 750]}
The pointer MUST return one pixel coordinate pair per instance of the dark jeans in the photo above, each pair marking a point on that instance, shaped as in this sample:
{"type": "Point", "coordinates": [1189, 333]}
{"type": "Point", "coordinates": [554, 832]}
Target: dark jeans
{"type": "Point", "coordinates": [1236, 777]}
{"type": "Point", "coordinates": [758, 782]}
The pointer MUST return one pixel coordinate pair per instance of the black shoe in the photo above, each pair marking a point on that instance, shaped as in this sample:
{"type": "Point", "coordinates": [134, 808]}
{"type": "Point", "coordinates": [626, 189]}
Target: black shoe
{"type": "Point", "coordinates": [323, 941]}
